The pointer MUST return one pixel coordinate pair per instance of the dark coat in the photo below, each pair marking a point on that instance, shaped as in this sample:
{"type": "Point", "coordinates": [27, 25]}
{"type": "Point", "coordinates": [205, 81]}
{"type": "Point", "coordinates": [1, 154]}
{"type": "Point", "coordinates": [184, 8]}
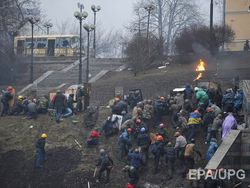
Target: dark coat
{"type": "Point", "coordinates": [40, 143]}
{"type": "Point", "coordinates": [135, 160]}
{"type": "Point", "coordinates": [59, 102]}
{"type": "Point", "coordinates": [188, 92]}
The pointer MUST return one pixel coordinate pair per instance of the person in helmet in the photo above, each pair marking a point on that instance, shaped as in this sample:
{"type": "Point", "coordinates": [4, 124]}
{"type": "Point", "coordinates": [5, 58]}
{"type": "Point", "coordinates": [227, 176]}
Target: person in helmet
{"type": "Point", "coordinates": [93, 138]}
{"type": "Point", "coordinates": [106, 164]}
{"type": "Point", "coordinates": [162, 132]}
{"type": "Point", "coordinates": [6, 97]}
{"type": "Point", "coordinates": [170, 159]}
{"type": "Point", "coordinates": [144, 141]}
{"type": "Point", "coordinates": [135, 159]}
{"type": "Point", "coordinates": [40, 144]}
{"type": "Point", "coordinates": [189, 155]}
{"type": "Point", "coordinates": [124, 142]}
{"type": "Point", "coordinates": [132, 174]}
{"type": "Point", "coordinates": [138, 125]}
{"type": "Point", "coordinates": [193, 122]}
{"type": "Point", "coordinates": [19, 108]}
{"type": "Point", "coordinates": [180, 145]}
{"type": "Point", "coordinates": [138, 111]}
{"type": "Point", "coordinates": [32, 110]}
{"type": "Point", "coordinates": [158, 152]}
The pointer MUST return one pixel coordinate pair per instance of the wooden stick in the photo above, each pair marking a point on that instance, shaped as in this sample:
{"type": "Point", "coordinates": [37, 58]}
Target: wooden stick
{"type": "Point", "coordinates": [95, 172]}
{"type": "Point", "coordinates": [237, 185]}
{"type": "Point", "coordinates": [88, 184]}
{"type": "Point", "coordinates": [78, 143]}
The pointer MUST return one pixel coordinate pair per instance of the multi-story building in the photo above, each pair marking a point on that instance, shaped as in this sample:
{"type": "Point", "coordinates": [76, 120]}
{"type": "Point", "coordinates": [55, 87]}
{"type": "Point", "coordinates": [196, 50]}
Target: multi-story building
{"type": "Point", "coordinates": [238, 17]}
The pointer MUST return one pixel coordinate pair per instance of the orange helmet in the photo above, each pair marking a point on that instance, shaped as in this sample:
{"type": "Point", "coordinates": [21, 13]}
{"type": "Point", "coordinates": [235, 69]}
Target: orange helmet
{"type": "Point", "coordinates": [159, 138]}
{"type": "Point", "coordinates": [9, 88]}
{"type": "Point", "coordinates": [177, 134]}
{"type": "Point", "coordinates": [117, 99]}
{"type": "Point", "coordinates": [162, 98]}
{"type": "Point", "coordinates": [221, 170]}
{"type": "Point", "coordinates": [129, 129]}
{"type": "Point", "coordinates": [34, 100]}
{"type": "Point", "coordinates": [209, 172]}
{"type": "Point", "coordinates": [209, 109]}
{"type": "Point", "coordinates": [196, 111]}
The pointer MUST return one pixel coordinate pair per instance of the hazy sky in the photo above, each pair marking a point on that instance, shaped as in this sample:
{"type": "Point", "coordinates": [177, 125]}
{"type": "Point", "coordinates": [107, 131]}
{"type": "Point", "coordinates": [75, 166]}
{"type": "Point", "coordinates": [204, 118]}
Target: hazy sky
{"type": "Point", "coordinates": [114, 13]}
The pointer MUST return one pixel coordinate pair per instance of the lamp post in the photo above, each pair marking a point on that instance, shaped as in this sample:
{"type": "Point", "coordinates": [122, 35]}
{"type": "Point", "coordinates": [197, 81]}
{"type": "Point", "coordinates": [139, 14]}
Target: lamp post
{"type": "Point", "coordinates": [33, 20]}
{"type": "Point", "coordinates": [48, 25]}
{"type": "Point", "coordinates": [88, 28]}
{"type": "Point", "coordinates": [80, 16]}
{"type": "Point", "coordinates": [149, 8]}
{"type": "Point", "coordinates": [95, 9]}
{"type": "Point", "coordinates": [211, 24]}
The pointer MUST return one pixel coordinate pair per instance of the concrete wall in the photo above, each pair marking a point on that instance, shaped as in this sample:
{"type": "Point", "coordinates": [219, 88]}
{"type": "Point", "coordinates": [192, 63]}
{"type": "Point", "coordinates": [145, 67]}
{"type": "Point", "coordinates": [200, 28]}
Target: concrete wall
{"type": "Point", "coordinates": [233, 153]}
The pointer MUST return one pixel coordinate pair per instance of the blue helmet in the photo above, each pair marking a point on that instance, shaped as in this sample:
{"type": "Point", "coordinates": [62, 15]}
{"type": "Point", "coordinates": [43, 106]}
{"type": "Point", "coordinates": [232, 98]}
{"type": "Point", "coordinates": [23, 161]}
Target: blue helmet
{"type": "Point", "coordinates": [142, 130]}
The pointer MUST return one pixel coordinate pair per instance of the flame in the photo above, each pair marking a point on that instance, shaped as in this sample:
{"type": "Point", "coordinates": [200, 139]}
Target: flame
{"type": "Point", "coordinates": [198, 77]}
{"type": "Point", "coordinates": [200, 67]}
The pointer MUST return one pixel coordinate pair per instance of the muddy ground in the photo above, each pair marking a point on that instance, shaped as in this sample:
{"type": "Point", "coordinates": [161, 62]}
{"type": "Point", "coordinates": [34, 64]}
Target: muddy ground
{"type": "Point", "coordinates": [69, 165]}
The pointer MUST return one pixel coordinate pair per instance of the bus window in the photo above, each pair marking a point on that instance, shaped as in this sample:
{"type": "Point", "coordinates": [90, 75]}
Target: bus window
{"type": "Point", "coordinates": [41, 43]}
{"type": "Point", "coordinates": [20, 47]}
{"type": "Point", "coordinates": [62, 42]}
{"type": "Point", "coordinates": [28, 43]}
{"type": "Point", "coordinates": [75, 43]}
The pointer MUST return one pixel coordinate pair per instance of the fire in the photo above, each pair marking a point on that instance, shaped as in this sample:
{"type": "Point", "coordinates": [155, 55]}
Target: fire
{"type": "Point", "coordinates": [198, 77]}
{"type": "Point", "coordinates": [200, 67]}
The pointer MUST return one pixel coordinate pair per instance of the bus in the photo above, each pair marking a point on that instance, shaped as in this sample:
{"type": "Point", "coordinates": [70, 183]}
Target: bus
{"type": "Point", "coordinates": [48, 45]}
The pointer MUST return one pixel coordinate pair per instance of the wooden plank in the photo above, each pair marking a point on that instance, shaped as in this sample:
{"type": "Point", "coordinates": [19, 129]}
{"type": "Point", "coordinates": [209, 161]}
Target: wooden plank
{"type": "Point", "coordinates": [12, 101]}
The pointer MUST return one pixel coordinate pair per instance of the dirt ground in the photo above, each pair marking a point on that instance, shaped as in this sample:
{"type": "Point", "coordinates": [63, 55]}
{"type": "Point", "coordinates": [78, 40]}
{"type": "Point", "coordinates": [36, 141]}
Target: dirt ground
{"type": "Point", "coordinates": [71, 166]}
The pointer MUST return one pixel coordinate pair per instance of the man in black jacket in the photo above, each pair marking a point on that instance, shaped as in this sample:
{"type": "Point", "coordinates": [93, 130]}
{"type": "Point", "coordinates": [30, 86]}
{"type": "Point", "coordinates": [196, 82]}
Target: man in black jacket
{"type": "Point", "coordinates": [158, 151]}
{"type": "Point", "coordinates": [170, 159]}
{"type": "Point", "coordinates": [105, 163]}
{"type": "Point", "coordinates": [144, 141]}
{"type": "Point", "coordinates": [40, 144]}
{"type": "Point", "coordinates": [59, 102]}
{"type": "Point", "coordinates": [5, 100]}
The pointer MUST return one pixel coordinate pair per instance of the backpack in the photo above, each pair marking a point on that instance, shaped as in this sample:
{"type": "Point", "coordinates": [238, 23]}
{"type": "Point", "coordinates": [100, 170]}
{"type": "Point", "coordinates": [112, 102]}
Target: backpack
{"type": "Point", "coordinates": [154, 149]}
{"type": "Point", "coordinates": [106, 161]}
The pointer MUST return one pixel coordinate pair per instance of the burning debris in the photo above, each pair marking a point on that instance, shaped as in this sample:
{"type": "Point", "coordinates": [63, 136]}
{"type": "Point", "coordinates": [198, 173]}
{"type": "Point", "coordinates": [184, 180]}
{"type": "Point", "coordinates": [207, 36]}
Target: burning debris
{"type": "Point", "coordinates": [200, 68]}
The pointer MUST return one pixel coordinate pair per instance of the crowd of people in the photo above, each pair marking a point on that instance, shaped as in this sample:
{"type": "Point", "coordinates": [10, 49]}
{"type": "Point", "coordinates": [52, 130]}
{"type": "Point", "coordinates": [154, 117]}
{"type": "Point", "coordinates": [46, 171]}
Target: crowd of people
{"type": "Point", "coordinates": [143, 128]}
{"type": "Point", "coordinates": [191, 112]}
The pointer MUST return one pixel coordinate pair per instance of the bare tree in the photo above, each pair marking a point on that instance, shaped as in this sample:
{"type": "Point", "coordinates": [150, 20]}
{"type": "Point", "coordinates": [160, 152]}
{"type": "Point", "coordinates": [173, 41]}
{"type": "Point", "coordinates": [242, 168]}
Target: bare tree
{"type": "Point", "coordinates": [168, 19]}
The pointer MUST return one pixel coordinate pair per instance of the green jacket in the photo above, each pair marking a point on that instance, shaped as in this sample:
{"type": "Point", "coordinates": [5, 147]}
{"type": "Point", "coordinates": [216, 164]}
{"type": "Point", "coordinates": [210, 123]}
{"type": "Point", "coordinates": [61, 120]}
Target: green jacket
{"type": "Point", "coordinates": [201, 96]}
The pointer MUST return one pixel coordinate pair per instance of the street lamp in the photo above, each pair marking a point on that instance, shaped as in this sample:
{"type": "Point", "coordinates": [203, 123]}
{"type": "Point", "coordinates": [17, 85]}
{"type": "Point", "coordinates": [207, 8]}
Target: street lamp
{"type": "Point", "coordinates": [211, 24]}
{"type": "Point", "coordinates": [80, 16]}
{"type": "Point", "coordinates": [48, 25]}
{"type": "Point", "coordinates": [149, 8]}
{"type": "Point", "coordinates": [33, 20]}
{"type": "Point", "coordinates": [95, 9]}
{"type": "Point", "coordinates": [88, 28]}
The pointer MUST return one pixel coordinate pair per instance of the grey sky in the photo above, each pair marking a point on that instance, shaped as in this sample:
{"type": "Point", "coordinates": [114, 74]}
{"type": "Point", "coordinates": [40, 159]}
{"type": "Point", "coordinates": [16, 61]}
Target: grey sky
{"type": "Point", "coordinates": [114, 13]}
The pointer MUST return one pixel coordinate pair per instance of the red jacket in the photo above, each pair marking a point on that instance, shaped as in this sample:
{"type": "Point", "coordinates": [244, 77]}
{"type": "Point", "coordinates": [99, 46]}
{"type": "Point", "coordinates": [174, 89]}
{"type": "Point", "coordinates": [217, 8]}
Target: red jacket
{"type": "Point", "coordinates": [95, 134]}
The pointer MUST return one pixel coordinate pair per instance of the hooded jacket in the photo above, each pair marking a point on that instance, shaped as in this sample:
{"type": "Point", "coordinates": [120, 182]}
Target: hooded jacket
{"type": "Point", "coordinates": [188, 92]}
{"type": "Point", "coordinates": [228, 124]}
{"type": "Point", "coordinates": [201, 96]}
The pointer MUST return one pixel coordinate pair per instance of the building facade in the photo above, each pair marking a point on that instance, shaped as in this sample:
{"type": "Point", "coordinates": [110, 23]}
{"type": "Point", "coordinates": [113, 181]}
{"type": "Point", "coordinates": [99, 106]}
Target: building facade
{"type": "Point", "coordinates": [238, 18]}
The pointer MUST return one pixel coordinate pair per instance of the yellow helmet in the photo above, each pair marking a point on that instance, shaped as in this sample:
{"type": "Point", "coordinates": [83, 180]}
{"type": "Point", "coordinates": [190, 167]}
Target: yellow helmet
{"type": "Point", "coordinates": [20, 97]}
{"type": "Point", "coordinates": [44, 135]}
